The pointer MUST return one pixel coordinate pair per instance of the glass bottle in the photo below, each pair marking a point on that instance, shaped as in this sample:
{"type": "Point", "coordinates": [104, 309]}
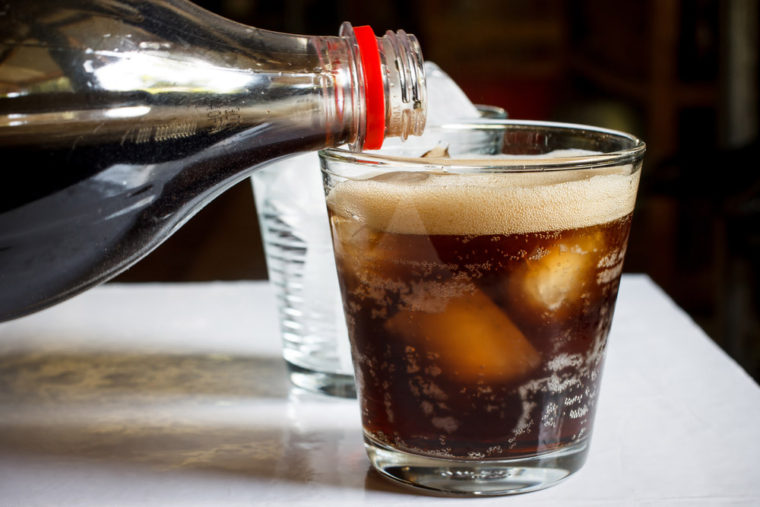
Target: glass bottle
{"type": "Point", "coordinates": [120, 119]}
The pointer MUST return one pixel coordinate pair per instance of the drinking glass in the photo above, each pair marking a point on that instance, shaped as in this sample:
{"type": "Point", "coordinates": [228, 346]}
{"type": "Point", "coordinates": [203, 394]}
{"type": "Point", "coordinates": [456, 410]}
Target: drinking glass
{"type": "Point", "coordinates": [478, 290]}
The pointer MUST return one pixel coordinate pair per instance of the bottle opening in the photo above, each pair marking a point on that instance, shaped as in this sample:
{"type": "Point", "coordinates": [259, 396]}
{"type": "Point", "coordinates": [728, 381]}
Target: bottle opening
{"type": "Point", "coordinates": [405, 90]}
{"type": "Point", "coordinates": [389, 94]}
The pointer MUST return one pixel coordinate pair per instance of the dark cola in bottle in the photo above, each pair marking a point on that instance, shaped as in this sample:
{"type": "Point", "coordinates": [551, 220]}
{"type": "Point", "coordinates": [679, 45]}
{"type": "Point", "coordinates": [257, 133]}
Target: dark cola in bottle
{"type": "Point", "coordinates": [119, 120]}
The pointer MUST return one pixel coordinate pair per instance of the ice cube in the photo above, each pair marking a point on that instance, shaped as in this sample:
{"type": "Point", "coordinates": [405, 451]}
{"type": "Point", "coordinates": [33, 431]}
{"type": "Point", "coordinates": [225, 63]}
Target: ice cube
{"type": "Point", "coordinates": [437, 152]}
{"type": "Point", "coordinates": [364, 253]}
{"type": "Point", "coordinates": [472, 339]}
{"type": "Point", "coordinates": [350, 237]}
{"type": "Point", "coordinates": [554, 280]}
{"type": "Point", "coordinates": [377, 257]}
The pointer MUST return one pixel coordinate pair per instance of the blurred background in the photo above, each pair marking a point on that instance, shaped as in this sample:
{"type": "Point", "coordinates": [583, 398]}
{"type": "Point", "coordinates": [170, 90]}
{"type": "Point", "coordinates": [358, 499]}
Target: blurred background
{"type": "Point", "coordinates": [683, 75]}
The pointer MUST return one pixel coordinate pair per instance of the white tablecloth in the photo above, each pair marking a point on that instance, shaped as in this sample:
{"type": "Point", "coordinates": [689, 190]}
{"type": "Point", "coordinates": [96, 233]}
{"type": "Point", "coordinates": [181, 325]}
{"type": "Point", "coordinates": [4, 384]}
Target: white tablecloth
{"type": "Point", "coordinates": [177, 395]}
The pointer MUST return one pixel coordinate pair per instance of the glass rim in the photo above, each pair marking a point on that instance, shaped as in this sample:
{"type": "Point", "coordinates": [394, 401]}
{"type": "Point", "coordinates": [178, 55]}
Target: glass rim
{"type": "Point", "coordinates": [517, 164]}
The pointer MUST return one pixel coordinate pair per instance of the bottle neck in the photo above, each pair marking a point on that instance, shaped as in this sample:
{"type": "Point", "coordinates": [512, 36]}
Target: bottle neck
{"type": "Point", "coordinates": [378, 85]}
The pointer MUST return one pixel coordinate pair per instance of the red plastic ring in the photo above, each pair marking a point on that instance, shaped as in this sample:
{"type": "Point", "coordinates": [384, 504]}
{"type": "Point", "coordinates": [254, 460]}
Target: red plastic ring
{"type": "Point", "coordinates": [373, 87]}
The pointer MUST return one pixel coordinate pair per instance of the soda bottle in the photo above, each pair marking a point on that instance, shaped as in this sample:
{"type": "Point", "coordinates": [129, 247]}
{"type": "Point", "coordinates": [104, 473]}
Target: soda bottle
{"type": "Point", "coordinates": [120, 119]}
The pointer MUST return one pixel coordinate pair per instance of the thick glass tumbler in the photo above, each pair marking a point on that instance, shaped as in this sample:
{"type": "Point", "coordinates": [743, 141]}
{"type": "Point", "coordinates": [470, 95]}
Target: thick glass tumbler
{"type": "Point", "coordinates": [479, 291]}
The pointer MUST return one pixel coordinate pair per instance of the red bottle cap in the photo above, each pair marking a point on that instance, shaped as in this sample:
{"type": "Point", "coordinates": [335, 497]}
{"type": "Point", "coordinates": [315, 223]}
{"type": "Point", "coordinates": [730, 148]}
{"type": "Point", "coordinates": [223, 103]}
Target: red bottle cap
{"type": "Point", "coordinates": [373, 87]}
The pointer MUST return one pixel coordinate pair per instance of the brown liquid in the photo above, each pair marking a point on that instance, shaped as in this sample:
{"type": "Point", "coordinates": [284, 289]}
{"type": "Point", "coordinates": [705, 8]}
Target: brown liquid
{"type": "Point", "coordinates": [480, 346]}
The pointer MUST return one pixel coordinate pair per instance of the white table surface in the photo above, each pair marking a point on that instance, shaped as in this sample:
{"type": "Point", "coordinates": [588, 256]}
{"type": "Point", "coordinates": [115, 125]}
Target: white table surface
{"type": "Point", "coordinates": [177, 395]}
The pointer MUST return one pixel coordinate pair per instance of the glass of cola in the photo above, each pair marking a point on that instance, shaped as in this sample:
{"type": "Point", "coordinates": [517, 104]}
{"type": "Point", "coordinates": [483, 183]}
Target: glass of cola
{"type": "Point", "coordinates": [479, 283]}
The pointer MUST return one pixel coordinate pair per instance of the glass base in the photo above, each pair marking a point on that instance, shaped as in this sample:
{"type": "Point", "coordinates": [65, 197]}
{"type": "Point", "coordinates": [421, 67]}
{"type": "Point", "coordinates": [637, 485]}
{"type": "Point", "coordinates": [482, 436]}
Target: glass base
{"type": "Point", "coordinates": [459, 477]}
{"type": "Point", "coordinates": [332, 384]}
